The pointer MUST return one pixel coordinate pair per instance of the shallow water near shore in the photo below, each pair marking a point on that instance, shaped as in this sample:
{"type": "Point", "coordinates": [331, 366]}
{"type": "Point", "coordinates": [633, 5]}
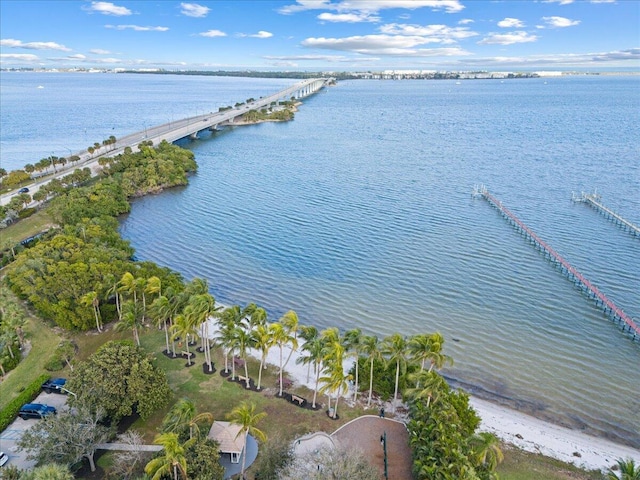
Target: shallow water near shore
{"type": "Point", "coordinates": [359, 214]}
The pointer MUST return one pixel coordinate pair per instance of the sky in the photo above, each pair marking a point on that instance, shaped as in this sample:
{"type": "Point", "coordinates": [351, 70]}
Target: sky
{"type": "Point", "coordinates": [326, 35]}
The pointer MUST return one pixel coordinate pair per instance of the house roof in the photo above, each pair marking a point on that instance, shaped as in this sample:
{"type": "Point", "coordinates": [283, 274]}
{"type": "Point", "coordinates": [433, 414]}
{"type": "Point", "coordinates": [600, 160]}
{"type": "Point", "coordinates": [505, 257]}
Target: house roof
{"type": "Point", "coordinates": [226, 434]}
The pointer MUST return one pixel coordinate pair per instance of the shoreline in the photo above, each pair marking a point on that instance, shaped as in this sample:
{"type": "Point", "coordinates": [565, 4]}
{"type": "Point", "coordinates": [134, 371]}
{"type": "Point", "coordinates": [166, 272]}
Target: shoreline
{"type": "Point", "coordinates": [511, 426]}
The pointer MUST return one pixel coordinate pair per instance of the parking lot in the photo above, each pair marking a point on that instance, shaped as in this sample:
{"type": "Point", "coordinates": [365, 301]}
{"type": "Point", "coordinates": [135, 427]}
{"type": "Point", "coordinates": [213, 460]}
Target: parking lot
{"type": "Point", "coordinates": [12, 434]}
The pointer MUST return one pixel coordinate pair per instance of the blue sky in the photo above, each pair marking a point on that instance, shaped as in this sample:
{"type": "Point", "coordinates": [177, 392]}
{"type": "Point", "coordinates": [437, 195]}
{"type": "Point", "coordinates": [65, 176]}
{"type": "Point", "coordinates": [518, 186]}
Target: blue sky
{"type": "Point", "coordinates": [336, 35]}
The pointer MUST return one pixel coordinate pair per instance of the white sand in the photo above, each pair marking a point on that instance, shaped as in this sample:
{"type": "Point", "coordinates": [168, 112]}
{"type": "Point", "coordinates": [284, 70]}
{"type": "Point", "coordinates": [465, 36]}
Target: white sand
{"type": "Point", "coordinates": [538, 436]}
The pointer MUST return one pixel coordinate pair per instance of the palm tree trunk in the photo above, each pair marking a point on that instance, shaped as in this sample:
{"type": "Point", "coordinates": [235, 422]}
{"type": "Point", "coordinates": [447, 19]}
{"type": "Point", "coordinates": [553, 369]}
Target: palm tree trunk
{"type": "Point", "coordinates": [244, 456]}
{"type": "Point", "coordinates": [370, 383]}
{"type": "Point", "coordinates": [335, 410]}
{"type": "Point", "coordinates": [166, 335]}
{"type": "Point", "coordinates": [246, 372]}
{"type": "Point", "coordinates": [315, 390]}
{"type": "Point", "coordinates": [355, 387]}
{"type": "Point", "coordinates": [280, 371]}
{"type": "Point", "coordinates": [92, 464]}
{"type": "Point", "coordinates": [260, 371]}
{"type": "Point", "coordinates": [395, 393]}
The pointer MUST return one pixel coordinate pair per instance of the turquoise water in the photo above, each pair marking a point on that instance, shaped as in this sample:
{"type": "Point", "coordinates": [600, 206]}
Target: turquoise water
{"type": "Point", "coordinates": [359, 214]}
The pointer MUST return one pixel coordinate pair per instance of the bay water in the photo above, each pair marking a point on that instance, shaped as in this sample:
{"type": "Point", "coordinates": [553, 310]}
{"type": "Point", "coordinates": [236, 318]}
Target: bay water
{"type": "Point", "coordinates": [359, 214]}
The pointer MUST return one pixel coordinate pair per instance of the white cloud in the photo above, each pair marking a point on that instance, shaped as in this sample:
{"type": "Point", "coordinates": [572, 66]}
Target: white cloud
{"type": "Point", "coordinates": [397, 45]}
{"type": "Point", "coordinates": [10, 42]}
{"type": "Point", "coordinates": [137, 28]}
{"type": "Point", "coordinates": [194, 10]}
{"type": "Point", "coordinates": [432, 33]}
{"type": "Point", "coordinates": [347, 17]}
{"type": "Point", "coordinates": [22, 57]}
{"type": "Point", "coordinates": [107, 8]}
{"type": "Point", "coordinates": [77, 56]}
{"type": "Point", "coordinates": [466, 21]}
{"type": "Point", "coordinates": [262, 34]}
{"type": "Point", "coordinates": [507, 38]}
{"type": "Point", "coordinates": [560, 22]}
{"type": "Point", "coordinates": [618, 57]}
{"type": "Point", "coordinates": [371, 6]}
{"type": "Point", "coordinates": [561, 2]}
{"type": "Point", "coordinates": [99, 51]}
{"type": "Point", "coordinates": [511, 23]}
{"type": "Point", "coordinates": [213, 33]}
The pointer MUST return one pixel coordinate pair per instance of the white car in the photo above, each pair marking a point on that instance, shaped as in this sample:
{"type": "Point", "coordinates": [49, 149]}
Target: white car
{"type": "Point", "coordinates": [4, 458]}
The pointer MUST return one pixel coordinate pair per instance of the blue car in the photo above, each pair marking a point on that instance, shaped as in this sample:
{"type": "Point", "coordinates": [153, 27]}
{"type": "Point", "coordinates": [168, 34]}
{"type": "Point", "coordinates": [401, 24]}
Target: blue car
{"type": "Point", "coordinates": [23, 190]}
{"type": "Point", "coordinates": [36, 410]}
{"type": "Point", "coordinates": [55, 385]}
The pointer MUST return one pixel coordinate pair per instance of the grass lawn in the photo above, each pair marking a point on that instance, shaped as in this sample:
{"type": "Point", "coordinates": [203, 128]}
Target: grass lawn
{"type": "Point", "coordinates": [27, 227]}
{"type": "Point", "coordinates": [521, 465]}
{"type": "Point", "coordinates": [41, 340]}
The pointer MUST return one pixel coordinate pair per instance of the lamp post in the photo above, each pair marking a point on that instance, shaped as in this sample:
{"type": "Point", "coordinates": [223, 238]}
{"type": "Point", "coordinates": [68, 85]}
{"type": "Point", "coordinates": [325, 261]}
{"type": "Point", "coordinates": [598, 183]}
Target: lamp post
{"type": "Point", "coordinates": [383, 441]}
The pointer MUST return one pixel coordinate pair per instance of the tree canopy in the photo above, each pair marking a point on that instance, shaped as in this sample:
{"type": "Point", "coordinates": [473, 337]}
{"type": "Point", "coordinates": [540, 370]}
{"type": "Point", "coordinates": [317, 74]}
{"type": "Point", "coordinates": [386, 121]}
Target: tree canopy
{"type": "Point", "coordinates": [121, 378]}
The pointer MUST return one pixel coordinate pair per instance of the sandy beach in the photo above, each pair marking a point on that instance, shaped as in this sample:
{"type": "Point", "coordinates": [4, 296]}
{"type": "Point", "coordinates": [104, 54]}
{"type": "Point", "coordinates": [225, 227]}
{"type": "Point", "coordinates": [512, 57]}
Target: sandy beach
{"type": "Point", "coordinates": [519, 429]}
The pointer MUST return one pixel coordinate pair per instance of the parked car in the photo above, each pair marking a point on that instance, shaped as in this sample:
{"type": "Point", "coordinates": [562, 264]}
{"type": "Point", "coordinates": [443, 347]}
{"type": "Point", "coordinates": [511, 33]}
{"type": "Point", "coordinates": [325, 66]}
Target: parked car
{"type": "Point", "coordinates": [55, 385]}
{"type": "Point", "coordinates": [36, 410]}
{"type": "Point", "coordinates": [23, 190]}
{"type": "Point", "coordinates": [4, 458]}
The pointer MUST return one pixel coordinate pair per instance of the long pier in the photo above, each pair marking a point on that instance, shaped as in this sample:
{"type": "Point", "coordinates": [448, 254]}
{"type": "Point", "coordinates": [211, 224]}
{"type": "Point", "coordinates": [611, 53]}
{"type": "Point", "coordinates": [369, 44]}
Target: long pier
{"type": "Point", "coordinates": [628, 324]}
{"type": "Point", "coordinates": [593, 200]}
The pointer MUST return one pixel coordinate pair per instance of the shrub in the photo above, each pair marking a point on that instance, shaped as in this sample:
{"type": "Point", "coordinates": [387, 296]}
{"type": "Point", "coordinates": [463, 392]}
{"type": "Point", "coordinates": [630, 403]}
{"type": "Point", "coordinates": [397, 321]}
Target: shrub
{"type": "Point", "coordinates": [31, 391]}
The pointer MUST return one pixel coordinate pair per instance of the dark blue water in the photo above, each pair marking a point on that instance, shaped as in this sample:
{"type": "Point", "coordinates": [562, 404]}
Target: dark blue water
{"type": "Point", "coordinates": [359, 214]}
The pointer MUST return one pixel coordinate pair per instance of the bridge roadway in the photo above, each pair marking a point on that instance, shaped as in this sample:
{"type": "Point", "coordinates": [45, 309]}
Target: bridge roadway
{"type": "Point", "coordinates": [176, 130]}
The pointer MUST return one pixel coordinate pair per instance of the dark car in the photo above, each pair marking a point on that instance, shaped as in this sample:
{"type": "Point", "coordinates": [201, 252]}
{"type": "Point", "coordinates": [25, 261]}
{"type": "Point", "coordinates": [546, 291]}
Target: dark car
{"type": "Point", "coordinates": [54, 385]}
{"type": "Point", "coordinates": [23, 190]}
{"type": "Point", "coordinates": [36, 410]}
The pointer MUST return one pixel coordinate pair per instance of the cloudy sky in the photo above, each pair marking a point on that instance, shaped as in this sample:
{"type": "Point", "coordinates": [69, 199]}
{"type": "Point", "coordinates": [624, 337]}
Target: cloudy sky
{"type": "Point", "coordinates": [322, 34]}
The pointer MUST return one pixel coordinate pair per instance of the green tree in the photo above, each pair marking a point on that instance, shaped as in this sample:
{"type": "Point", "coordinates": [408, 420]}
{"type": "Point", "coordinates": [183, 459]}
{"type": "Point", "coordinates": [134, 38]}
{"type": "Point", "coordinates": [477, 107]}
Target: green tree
{"type": "Point", "coordinates": [485, 450]}
{"type": "Point", "coordinates": [262, 341]}
{"type": "Point", "coordinates": [246, 417]}
{"type": "Point", "coordinates": [51, 471]}
{"type": "Point", "coordinates": [353, 345]}
{"type": "Point", "coordinates": [90, 299]}
{"type": "Point", "coordinates": [628, 470]}
{"type": "Point", "coordinates": [371, 350]}
{"type": "Point", "coordinates": [183, 417]}
{"type": "Point", "coordinates": [395, 347]}
{"type": "Point", "coordinates": [68, 437]}
{"type": "Point", "coordinates": [184, 327]}
{"type": "Point", "coordinates": [171, 462]}
{"type": "Point", "coordinates": [133, 382]}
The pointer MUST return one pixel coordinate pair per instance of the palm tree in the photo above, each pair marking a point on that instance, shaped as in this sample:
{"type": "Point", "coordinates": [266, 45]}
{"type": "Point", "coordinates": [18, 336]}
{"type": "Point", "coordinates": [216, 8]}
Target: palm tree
{"type": "Point", "coordinates": [243, 341]}
{"type": "Point", "coordinates": [262, 341]}
{"type": "Point", "coordinates": [246, 417]}
{"type": "Point", "coordinates": [395, 347]}
{"type": "Point", "coordinates": [486, 450]}
{"type": "Point", "coordinates": [230, 318]}
{"type": "Point", "coordinates": [290, 323]}
{"type": "Point", "coordinates": [173, 462]}
{"type": "Point", "coordinates": [161, 311]}
{"type": "Point", "coordinates": [280, 337]}
{"type": "Point", "coordinates": [184, 327]}
{"type": "Point", "coordinates": [628, 470]}
{"type": "Point", "coordinates": [131, 319]}
{"type": "Point", "coordinates": [200, 308]}
{"type": "Point", "coordinates": [353, 344]}
{"type": "Point", "coordinates": [336, 381]}
{"type": "Point", "coordinates": [371, 349]}
{"type": "Point", "coordinates": [432, 385]}
{"type": "Point", "coordinates": [437, 358]}
{"type": "Point", "coordinates": [308, 333]}
{"type": "Point", "coordinates": [90, 299]}
{"type": "Point", "coordinates": [182, 415]}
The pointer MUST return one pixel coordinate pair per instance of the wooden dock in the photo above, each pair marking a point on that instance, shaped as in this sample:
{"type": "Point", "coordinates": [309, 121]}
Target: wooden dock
{"type": "Point", "coordinates": [593, 200]}
{"type": "Point", "coordinates": [627, 323]}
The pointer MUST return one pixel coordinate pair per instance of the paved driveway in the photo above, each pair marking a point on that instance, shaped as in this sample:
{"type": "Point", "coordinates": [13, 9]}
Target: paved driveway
{"type": "Point", "coordinates": [14, 431]}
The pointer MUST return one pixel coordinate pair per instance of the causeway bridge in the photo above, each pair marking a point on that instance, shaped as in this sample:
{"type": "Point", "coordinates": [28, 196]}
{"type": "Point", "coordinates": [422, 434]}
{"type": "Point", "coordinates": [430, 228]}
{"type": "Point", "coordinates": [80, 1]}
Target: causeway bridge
{"type": "Point", "coordinates": [189, 127]}
{"type": "Point", "coordinates": [177, 130]}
